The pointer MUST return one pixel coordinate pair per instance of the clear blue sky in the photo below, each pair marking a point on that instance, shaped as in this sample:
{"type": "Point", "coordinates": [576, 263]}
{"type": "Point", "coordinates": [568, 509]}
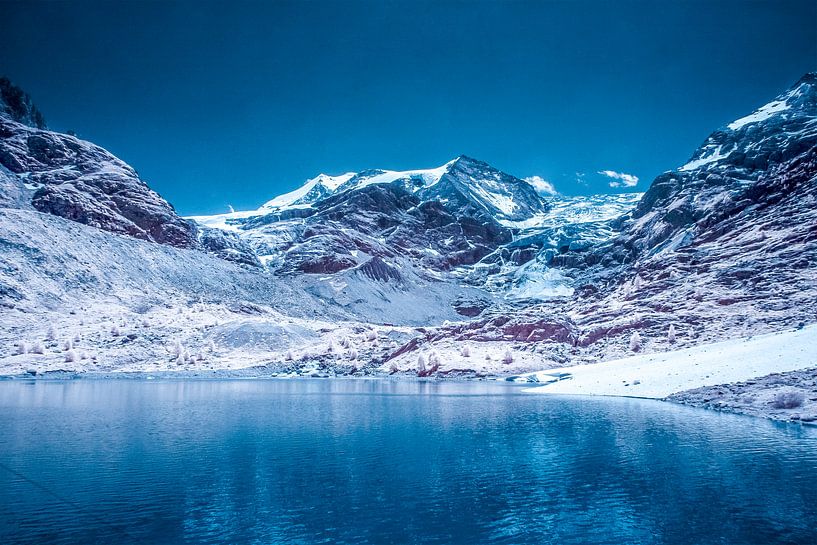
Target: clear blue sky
{"type": "Point", "coordinates": [233, 103]}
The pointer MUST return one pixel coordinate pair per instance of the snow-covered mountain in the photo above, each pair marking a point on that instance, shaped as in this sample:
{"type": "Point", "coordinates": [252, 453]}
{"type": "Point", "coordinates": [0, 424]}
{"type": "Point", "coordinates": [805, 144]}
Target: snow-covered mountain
{"type": "Point", "coordinates": [723, 246]}
{"type": "Point", "coordinates": [63, 175]}
{"type": "Point", "coordinates": [492, 230]}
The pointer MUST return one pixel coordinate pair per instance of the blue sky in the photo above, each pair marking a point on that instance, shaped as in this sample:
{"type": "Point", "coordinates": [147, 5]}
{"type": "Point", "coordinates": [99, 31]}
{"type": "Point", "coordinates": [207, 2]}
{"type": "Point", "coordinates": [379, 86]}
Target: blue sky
{"type": "Point", "coordinates": [219, 104]}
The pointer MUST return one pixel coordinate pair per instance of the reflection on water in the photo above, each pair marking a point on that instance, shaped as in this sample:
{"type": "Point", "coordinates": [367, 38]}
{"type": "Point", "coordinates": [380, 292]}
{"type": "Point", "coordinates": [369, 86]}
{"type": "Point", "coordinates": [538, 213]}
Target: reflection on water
{"type": "Point", "coordinates": [357, 461]}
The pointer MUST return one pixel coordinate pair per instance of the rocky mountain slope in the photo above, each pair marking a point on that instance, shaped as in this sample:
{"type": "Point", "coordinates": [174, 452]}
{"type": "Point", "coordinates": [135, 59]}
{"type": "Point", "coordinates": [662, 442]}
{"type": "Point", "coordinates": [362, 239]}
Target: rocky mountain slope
{"type": "Point", "coordinates": [724, 246]}
{"type": "Point", "coordinates": [63, 175]}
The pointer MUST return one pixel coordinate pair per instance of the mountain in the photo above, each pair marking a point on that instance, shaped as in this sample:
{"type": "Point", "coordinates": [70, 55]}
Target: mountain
{"type": "Point", "coordinates": [63, 175]}
{"type": "Point", "coordinates": [464, 217]}
{"type": "Point", "coordinates": [387, 264]}
{"type": "Point", "coordinates": [723, 246]}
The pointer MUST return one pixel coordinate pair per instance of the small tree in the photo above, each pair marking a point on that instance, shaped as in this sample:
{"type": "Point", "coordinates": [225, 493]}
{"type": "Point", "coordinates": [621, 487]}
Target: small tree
{"type": "Point", "coordinates": [637, 283]}
{"type": "Point", "coordinates": [211, 346]}
{"type": "Point", "coordinates": [434, 363]}
{"type": "Point", "coordinates": [353, 353]}
{"type": "Point", "coordinates": [421, 365]}
{"type": "Point", "coordinates": [507, 358]}
{"type": "Point", "coordinates": [371, 335]}
{"type": "Point", "coordinates": [465, 352]}
{"type": "Point", "coordinates": [115, 331]}
{"type": "Point", "coordinates": [38, 348]}
{"type": "Point", "coordinates": [77, 338]}
{"type": "Point", "coordinates": [487, 357]}
{"type": "Point", "coordinates": [70, 356]}
{"type": "Point", "coordinates": [51, 335]}
{"type": "Point", "coordinates": [22, 348]}
{"type": "Point", "coordinates": [68, 345]}
{"type": "Point", "coordinates": [671, 333]}
{"type": "Point", "coordinates": [289, 356]}
{"type": "Point", "coordinates": [635, 342]}
{"type": "Point", "coordinates": [344, 342]}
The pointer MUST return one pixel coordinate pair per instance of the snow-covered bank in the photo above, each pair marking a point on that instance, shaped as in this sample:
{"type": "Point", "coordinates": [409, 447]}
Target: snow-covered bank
{"type": "Point", "coordinates": [661, 374]}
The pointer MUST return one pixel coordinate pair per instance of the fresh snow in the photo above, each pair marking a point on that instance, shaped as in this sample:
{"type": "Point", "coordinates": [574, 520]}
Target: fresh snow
{"type": "Point", "coordinates": [761, 114]}
{"type": "Point", "coordinates": [658, 375]}
{"type": "Point", "coordinates": [711, 157]}
{"type": "Point", "coordinates": [287, 199]}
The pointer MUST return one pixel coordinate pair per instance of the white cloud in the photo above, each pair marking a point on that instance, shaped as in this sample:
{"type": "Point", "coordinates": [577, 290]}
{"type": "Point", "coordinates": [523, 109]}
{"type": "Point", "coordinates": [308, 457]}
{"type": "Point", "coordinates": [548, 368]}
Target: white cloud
{"type": "Point", "coordinates": [620, 179]}
{"type": "Point", "coordinates": [542, 186]}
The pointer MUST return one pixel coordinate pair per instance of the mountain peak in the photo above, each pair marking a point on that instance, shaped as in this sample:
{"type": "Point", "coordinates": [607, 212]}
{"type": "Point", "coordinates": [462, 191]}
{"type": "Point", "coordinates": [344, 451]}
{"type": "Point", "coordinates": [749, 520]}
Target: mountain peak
{"type": "Point", "coordinates": [16, 104]}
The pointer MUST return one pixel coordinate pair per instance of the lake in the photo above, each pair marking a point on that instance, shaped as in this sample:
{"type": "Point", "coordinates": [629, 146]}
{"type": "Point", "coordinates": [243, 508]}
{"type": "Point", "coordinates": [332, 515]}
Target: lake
{"type": "Point", "coordinates": [381, 461]}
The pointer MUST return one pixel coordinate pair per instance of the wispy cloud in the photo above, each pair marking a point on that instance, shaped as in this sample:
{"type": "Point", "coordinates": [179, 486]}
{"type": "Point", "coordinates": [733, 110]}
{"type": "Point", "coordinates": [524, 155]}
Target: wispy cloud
{"type": "Point", "coordinates": [620, 179]}
{"type": "Point", "coordinates": [542, 186]}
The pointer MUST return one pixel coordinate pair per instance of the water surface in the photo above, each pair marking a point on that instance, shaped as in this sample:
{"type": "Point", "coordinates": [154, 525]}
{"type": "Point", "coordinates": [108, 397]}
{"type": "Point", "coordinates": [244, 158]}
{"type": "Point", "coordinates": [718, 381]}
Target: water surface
{"type": "Point", "coordinates": [357, 461]}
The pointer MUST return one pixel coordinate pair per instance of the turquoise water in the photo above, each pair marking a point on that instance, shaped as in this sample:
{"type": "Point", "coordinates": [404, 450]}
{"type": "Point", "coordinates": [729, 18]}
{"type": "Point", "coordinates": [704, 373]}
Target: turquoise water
{"type": "Point", "coordinates": [345, 461]}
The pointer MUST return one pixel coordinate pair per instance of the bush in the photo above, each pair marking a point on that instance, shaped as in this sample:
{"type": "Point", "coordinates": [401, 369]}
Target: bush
{"type": "Point", "coordinates": [788, 400]}
{"type": "Point", "coordinates": [671, 333]}
{"type": "Point", "coordinates": [635, 342]}
{"type": "Point", "coordinates": [22, 348]}
{"type": "Point", "coordinates": [421, 364]}
{"type": "Point", "coordinates": [38, 348]}
{"type": "Point", "coordinates": [465, 352]}
{"type": "Point", "coordinates": [507, 359]}
{"type": "Point", "coordinates": [70, 356]}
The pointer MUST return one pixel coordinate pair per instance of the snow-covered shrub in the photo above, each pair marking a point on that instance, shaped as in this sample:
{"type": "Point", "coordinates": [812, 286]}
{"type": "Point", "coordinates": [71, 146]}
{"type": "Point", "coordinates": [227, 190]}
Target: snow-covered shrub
{"type": "Point", "coordinates": [331, 348]}
{"type": "Point", "coordinates": [671, 333]}
{"type": "Point", "coordinates": [83, 356]}
{"type": "Point", "coordinates": [211, 346]}
{"type": "Point", "coordinates": [487, 357]}
{"type": "Point", "coordinates": [635, 342]}
{"type": "Point", "coordinates": [77, 338]}
{"type": "Point", "coordinates": [115, 331]}
{"type": "Point", "coordinates": [421, 364]}
{"type": "Point", "coordinates": [22, 348]}
{"type": "Point", "coordinates": [70, 356]}
{"type": "Point", "coordinates": [51, 335]}
{"type": "Point", "coordinates": [289, 356]}
{"type": "Point", "coordinates": [145, 323]}
{"type": "Point", "coordinates": [68, 345]}
{"type": "Point", "coordinates": [788, 400]}
{"type": "Point", "coordinates": [433, 363]}
{"type": "Point", "coordinates": [507, 358]}
{"type": "Point", "coordinates": [38, 348]}
{"type": "Point", "coordinates": [184, 357]}
{"type": "Point", "coordinates": [177, 348]}
{"type": "Point", "coordinates": [465, 352]}
{"type": "Point", "coordinates": [353, 353]}
{"type": "Point", "coordinates": [637, 283]}
{"type": "Point", "coordinates": [344, 342]}
{"type": "Point", "coordinates": [371, 335]}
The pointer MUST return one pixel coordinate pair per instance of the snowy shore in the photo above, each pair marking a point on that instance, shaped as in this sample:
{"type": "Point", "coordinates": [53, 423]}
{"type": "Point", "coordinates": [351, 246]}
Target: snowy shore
{"type": "Point", "coordinates": [767, 375]}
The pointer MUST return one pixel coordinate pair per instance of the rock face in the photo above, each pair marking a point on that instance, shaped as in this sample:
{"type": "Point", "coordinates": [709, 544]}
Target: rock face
{"type": "Point", "coordinates": [741, 169]}
{"type": "Point", "coordinates": [80, 181]}
{"type": "Point", "coordinates": [18, 106]}
{"type": "Point", "coordinates": [724, 245]}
